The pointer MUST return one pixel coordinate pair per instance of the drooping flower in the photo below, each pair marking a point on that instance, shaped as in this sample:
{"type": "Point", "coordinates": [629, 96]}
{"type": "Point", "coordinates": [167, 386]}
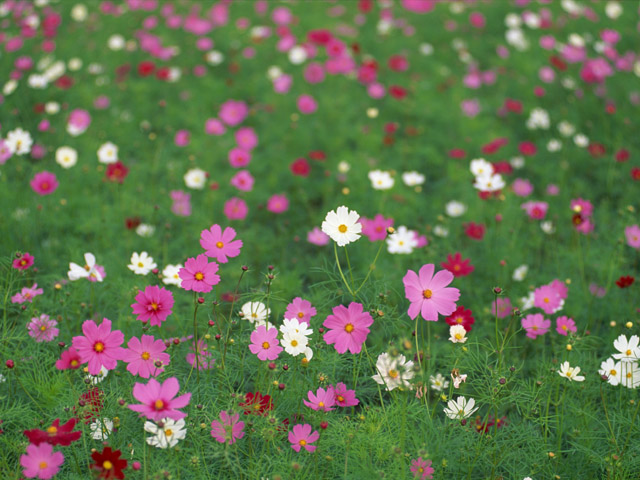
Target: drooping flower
{"type": "Point", "coordinates": [166, 433]}
{"type": "Point", "coordinates": [564, 325]}
{"type": "Point", "coordinates": [348, 328]}
{"type": "Point", "coordinates": [456, 265]}
{"type": "Point", "coordinates": [199, 275]}
{"type": "Point", "coordinates": [460, 408]}
{"type": "Point", "coordinates": [229, 429]}
{"type": "Point", "coordinates": [535, 325]}
{"type": "Point", "coordinates": [42, 328]}
{"type": "Point", "coordinates": [99, 346]}
{"type": "Point", "coordinates": [264, 343]}
{"type": "Point", "coordinates": [41, 461]}
{"type": "Point", "coordinates": [142, 356]}
{"type": "Point", "coordinates": [322, 400]}
{"type": "Point", "coordinates": [220, 244]}
{"type": "Point", "coordinates": [570, 372]}
{"type": "Point", "coordinates": [55, 434]}
{"type": "Point", "coordinates": [421, 468]}
{"type": "Point", "coordinates": [393, 372]}
{"type": "Point", "coordinates": [302, 437]}
{"type": "Point", "coordinates": [429, 294]}
{"type": "Point", "coordinates": [342, 226]}
{"type": "Point", "coordinates": [300, 309]}
{"type": "Point", "coordinates": [88, 271]}
{"type": "Point", "coordinates": [344, 397]}
{"type": "Point", "coordinates": [109, 463]}
{"type": "Point", "coordinates": [256, 404]}
{"type": "Point", "coordinates": [158, 401]}
{"type": "Point", "coordinates": [153, 305]}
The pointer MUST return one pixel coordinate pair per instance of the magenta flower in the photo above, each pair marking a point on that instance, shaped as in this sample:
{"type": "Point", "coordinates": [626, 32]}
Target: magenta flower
{"type": "Point", "coordinates": [546, 297]}
{"type": "Point", "coordinates": [243, 181]}
{"type": "Point", "coordinates": [323, 399]}
{"type": "Point", "coordinates": [239, 158]}
{"type": "Point", "coordinates": [69, 360]}
{"type": "Point", "coordinates": [421, 468]}
{"type": "Point", "coordinates": [199, 275]}
{"type": "Point", "coordinates": [348, 328]}
{"type": "Point", "coordinates": [429, 294]}
{"type": "Point", "coordinates": [522, 187]}
{"type": "Point", "coordinates": [278, 203]}
{"type": "Point", "coordinates": [27, 294]}
{"type": "Point", "coordinates": [632, 233]}
{"type": "Point", "coordinates": [535, 324]}
{"type": "Point", "coordinates": [42, 328]}
{"type": "Point", "coordinates": [307, 104]}
{"type": "Point", "coordinates": [205, 360]}
{"type": "Point", "coordinates": [376, 229]}
{"type": "Point", "coordinates": [229, 430]}
{"type": "Point", "coordinates": [44, 183]}
{"type": "Point", "coordinates": [142, 356]}
{"type": "Point", "coordinates": [246, 138]}
{"type": "Point", "coordinates": [181, 205]}
{"type": "Point", "coordinates": [235, 209]}
{"type": "Point", "coordinates": [301, 310]}
{"type": "Point", "coordinates": [564, 325]}
{"type": "Point", "coordinates": [535, 210]}
{"type": "Point", "coordinates": [504, 307]}
{"type": "Point", "coordinates": [344, 397]}
{"type": "Point", "coordinates": [157, 400]}
{"type": "Point", "coordinates": [23, 262]}
{"type": "Point", "coordinates": [317, 237]}
{"type": "Point", "coordinates": [213, 126]}
{"type": "Point", "coordinates": [265, 343]}
{"type": "Point", "coordinates": [301, 437]}
{"type": "Point", "coordinates": [582, 207]}
{"type": "Point", "coordinates": [233, 112]}
{"type": "Point", "coordinates": [220, 244]}
{"type": "Point", "coordinates": [99, 346]}
{"type": "Point", "coordinates": [40, 461]}
{"type": "Point", "coordinates": [154, 304]}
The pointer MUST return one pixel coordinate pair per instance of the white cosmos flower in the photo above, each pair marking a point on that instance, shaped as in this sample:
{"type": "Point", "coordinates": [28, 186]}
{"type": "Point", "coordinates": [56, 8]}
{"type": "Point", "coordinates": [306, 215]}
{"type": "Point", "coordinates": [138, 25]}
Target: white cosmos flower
{"type": "Point", "coordinates": [116, 42]}
{"type": "Point", "coordinates": [293, 325]}
{"type": "Point", "coordinates": [455, 208]}
{"type": "Point", "coordinates": [9, 87]}
{"type": "Point", "coordinates": [441, 231]}
{"type": "Point", "coordinates": [101, 428]}
{"type": "Point", "coordinates": [527, 302]}
{"type": "Point", "coordinates": [19, 141]}
{"type": "Point", "coordinates": [108, 153]}
{"type": "Point", "coordinates": [297, 55]}
{"type": "Point", "coordinates": [145, 230]}
{"type": "Point", "coordinates": [439, 382]}
{"type": "Point", "coordinates": [96, 379]}
{"type": "Point", "coordinates": [547, 227]}
{"type": "Point", "coordinates": [66, 157]}
{"type": "Point", "coordinates": [412, 179]}
{"type": "Point", "coordinates": [460, 408]}
{"type": "Point", "coordinates": [581, 140]}
{"type": "Point", "coordinates": [520, 273]}
{"type": "Point", "coordinates": [629, 350]}
{"type": "Point", "coordinates": [554, 145]}
{"type": "Point", "coordinates": [141, 263]}
{"type": "Point", "coordinates": [480, 167]}
{"type": "Point", "coordinates": [170, 275]}
{"type": "Point", "coordinates": [214, 57]}
{"type": "Point", "coordinates": [393, 372]}
{"type": "Point", "coordinates": [570, 372]}
{"type": "Point", "coordinates": [613, 10]}
{"type": "Point", "coordinates": [402, 240]}
{"type": "Point", "coordinates": [342, 226]}
{"type": "Point", "coordinates": [294, 343]}
{"type": "Point", "coordinates": [37, 81]}
{"type": "Point", "coordinates": [195, 178]}
{"type": "Point", "coordinates": [517, 162]}
{"type": "Point", "coordinates": [566, 129]}
{"type": "Point", "coordinates": [489, 183]}
{"type": "Point", "coordinates": [457, 334]}
{"type": "Point", "coordinates": [538, 118]}
{"type": "Point", "coordinates": [255, 312]}
{"type": "Point", "coordinates": [79, 12]}
{"type": "Point", "coordinates": [629, 374]}
{"type": "Point", "coordinates": [166, 433]}
{"type": "Point", "coordinates": [381, 180]}
{"type": "Point", "coordinates": [612, 370]}
{"type": "Point", "coordinates": [77, 272]}
{"type": "Point", "coordinates": [52, 108]}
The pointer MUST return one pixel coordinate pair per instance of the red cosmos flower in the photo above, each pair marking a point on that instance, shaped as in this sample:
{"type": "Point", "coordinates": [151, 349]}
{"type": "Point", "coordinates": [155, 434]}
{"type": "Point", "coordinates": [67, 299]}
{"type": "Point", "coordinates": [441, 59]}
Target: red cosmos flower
{"type": "Point", "coordinates": [55, 434]}
{"type": "Point", "coordinates": [486, 426]}
{"type": "Point", "coordinates": [474, 230]}
{"type": "Point", "coordinates": [300, 167]}
{"type": "Point", "coordinates": [494, 145]}
{"type": "Point", "coordinates": [596, 149]}
{"type": "Point", "coordinates": [635, 173]}
{"type": "Point", "coordinates": [622, 155]}
{"type": "Point", "coordinates": [146, 68]}
{"type": "Point", "coordinates": [527, 148]}
{"type": "Point", "coordinates": [461, 316]}
{"type": "Point", "coordinates": [397, 92]}
{"type": "Point", "coordinates": [64, 82]}
{"type": "Point", "coordinates": [457, 153]}
{"type": "Point", "coordinates": [502, 167]}
{"type": "Point", "coordinates": [457, 266]}
{"type": "Point", "coordinates": [91, 404]}
{"type": "Point", "coordinates": [132, 222]}
{"type": "Point", "coordinates": [317, 155]}
{"type": "Point", "coordinates": [398, 63]}
{"type": "Point", "coordinates": [117, 172]}
{"type": "Point", "coordinates": [513, 106]}
{"type": "Point", "coordinates": [365, 6]}
{"type": "Point", "coordinates": [558, 63]}
{"type": "Point", "coordinates": [163, 73]}
{"type": "Point", "coordinates": [625, 281]}
{"type": "Point", "coordinates": [256, 403]}
{"type": "Point", "coordinates": [319, 37]}
{"type": "Point", "coordinates": [109, 463]}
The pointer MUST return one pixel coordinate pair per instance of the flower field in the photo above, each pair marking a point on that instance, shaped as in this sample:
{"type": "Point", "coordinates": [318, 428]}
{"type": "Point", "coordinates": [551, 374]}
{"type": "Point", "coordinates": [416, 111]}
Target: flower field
{"type": "Point", "coordinates": [319, 239]}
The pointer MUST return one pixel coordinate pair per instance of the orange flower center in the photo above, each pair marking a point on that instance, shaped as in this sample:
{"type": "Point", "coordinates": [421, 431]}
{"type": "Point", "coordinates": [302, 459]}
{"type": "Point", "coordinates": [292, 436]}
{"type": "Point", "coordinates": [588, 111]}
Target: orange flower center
{"type": "Point", "coordinates": [348, 328]}
{"type": "Point", "coordinates": [427, 293]}
{"type": "Point", "coordinates": [168, 432]}
{"type": "Point", "coordinates": [302, 443]}
{"type": "Point", "coordinates": [219, 244]}
{"type": "Point", "coordinates": [300, 314]}
{"type": "Point", "coordinates": [158, 405]}
{"type": "Point", "coordinates": [43, 328]}
{"type": "Point", "coordinates": [154, 306]}
{"type": "Point", "coordinates": [265, 345]}
{"type": "Point", "coordinates": [628, 352]}
{"type": "Point", "coordinates": [74, 363]}
{"type": "Point", "coordinates": [294, 343]}
{"type": "Point", "coordinates": [393, 373]}
{"type": "Point", "coordinates": [107, 465]}
{"type": "Point", "coordinates": [52, 430]}
{"type": "Point", "coordinates": [459, 319]}
{"type": "Point", "coordinates": [546, 300]}
{"type": "Point", "coordinates": [42, 465]}
{"type": "Point", "coordinates": [340, 398]}
{"type": "Point", "coordinates": [321, 404]}
{"type": "Point", "coordinates": [199, 276]}
{"type": "Point", "coordinates": [146, 355]}
{"type": "Point", "coordinates": [98, 347]}
{"type": "Point", "coordinates": [342, 228]}
{"type": "Point", "coordinates": [613, 372]}
{"type": "Point", "coordinates": [23, 262]}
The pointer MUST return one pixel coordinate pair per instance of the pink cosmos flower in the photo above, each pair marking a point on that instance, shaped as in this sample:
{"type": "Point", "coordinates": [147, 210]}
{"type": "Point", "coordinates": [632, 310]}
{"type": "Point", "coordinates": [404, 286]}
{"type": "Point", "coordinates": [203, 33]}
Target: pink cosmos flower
{"type": "Point", "coordinates": [154, 304]}
{"type": "Point", "coordinates": [229, 429]}
{"type": "Point", "coordinates": [42, 328]}
{"type": "Point", "coordinates": [205, 359]}
{"type": "Point", "coordinates": [142, 355]}
{"type": "Point", "coordinates": [522, 187]}
{"type": "Point", "coordinates": [220, 244]}
{"type": "Point", "coordinates": [376, 229]}
{"type": "Point", "coordinates": [44, 183]}
{"type": "Point", "coordinates": [547, 298]}
{"type": "Point", "coordinates": [323, 399]}
{"type": "Point", "coordinates": [561, 288]}
{"type": "Point", "coordinates": [213, 126]}
{"type": "Point", "coordinates": [301, 437]}
{"type": "Point", "coordinates": [27, 294]}
{"type": "Point", "coordinates": [182, 138]}
{"type": "Point", "coordinates": [504, 307]}
{"type": "Point", "coordinates": [345, 397]}
{"type": "Point", "coordinates": [99, 346]}
{"type": "Point", "coordinates": [233, 112]}
{"type": "Point", "coordinates": [23, 262]}
{"type": "Point", "coordinates": [632, 233]}
{"type": "Point", "coordinates": [40, 461]}
{"type": "Point", "coordinates": [429, 294]}
{"type": "Point", "coordinates": [564, 325]}
{"type": "Point", "coordinates": [278, 203]}
{"type": "Point", "coordinates": [535, 210]}
{"type": "Point", "coordinates": [348, 328]}
{"type": "Point", "coordinates": [69, 360]}
{"type": "Point", "coordinates": [597, 291]}
{"type": "Point", "coordinates": [243, 181]}
{"type": "Point", "coordinates": [307, 104]}
{"type": "Point", "coordinates": [236, 209]}
{"type": "Point", "coordinates": [79, 121]}
{"type": "Point", "coordinates": [157, 400]}
{"type": "Point", "coordinates": [582, 207]}
{"type": "Point", "coordinates": [535, 324]}
{"type": "Point", "coordinates": [301, 310]}
{"type": "Point", "coordinates": [5, 152]}
{"type": "Point", "coordinates": [421, 468]}
{"type": "Point", "coordinates": [317, 237]}
{"type": "Point", "coordinates": [246, 138]}
{"type": "Point", "coordinates": [239, 157]}
{"type": "Point", "coordinates": [265, 343]}
{"type": "Point", "coordinates": [199, 275]}
{"type": "Point", "coordinates": [181, 203]}
{"type": "Point", "coordinates": [283, 83]}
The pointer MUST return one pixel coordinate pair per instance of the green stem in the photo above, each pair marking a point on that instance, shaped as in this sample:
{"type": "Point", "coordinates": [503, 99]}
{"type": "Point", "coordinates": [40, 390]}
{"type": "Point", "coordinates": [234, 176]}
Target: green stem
{"type": "Point", "coordinates": [372, 267]}
{"type": "Point", "coordinates": [335, 249]}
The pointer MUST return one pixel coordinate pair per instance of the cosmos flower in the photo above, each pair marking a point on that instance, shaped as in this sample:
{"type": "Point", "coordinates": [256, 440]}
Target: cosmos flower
{"type": "Point", "coordinates": [42, 328]}
{"type": "Point", "coordinates": [342, 226]}
{"type": "Point", "coordinates": [229, 429]}
{"type": "Point", "coordinates": [460, 408]}
{"type": "Point", "coordinates": [166, 433]}
{"type": "Point", "coordinates": [570, 372]}
{"type": "Point", "coordinates": [40, 461]}
{"type": "Point", "coordinates": [99, 346]}
{"type": "Point", "coordinates": [429, 294]}
{"type": "Point", "coordinates": [158, 401]}
{"type": "Point", "coordinates": [347, 328]}
{"type": "Point", "coordinates": [393, 372]}
{"type": "Point", "coordinates": [220, 244]}
{"type": "Point", "coordinates": [302, 437]}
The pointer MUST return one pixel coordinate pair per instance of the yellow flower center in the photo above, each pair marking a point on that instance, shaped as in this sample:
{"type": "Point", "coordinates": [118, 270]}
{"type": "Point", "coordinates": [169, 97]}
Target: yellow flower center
{"type": "Point", "coordinates": [199, 276]}
{"type": "Point", "coordinates": [219, 244]}
{"type": "Point", "coordinates": [98, 347]}
{"type": "Point", "coordinates": [613, 372]}
{"type": "Point", "coordinates": [140, 264]}
{"type": "Point", "coordinates": [458, 336]}
{"type": "Point", "coordinates": [294, 343]}
{"type": "Point", "coordinates": [569, 372]}
{"type": "Point", "coordinates": [107, 465]}
{"type": "Point", "coordinates": [168, 432]}
{"type": "Point", "coordinates": [146, 355]}
{"type": "Point", "coordinates": [427, 293]}
{"type": "Point", "coordinates": [154, 306]}
{"type": "Point", "coordinates": [42, 465]}
{"type": "Point", "coordinates": [348, 328]}
{"type": "Point", "coordinates": [393, 373]}
{"type": "Point", "coordinates": [74, 363]}
{"type": "Point", "coordinates": [459, 320]}
{"type": "Point", "coordinates": [302, 443]}
{"type": "Point", "coordinates": [265, 345]}
{"type": "Point", "coordinates": [629, 375]}
{"type": "Point", "coordinates": [43, 328]}
{"type": "Point", "coordinates": [321, 404]}
{"type": "Point", "coordinates": [158, 405]}
{"type": "Point", "coordinates": [340, 398]}
{"type": "Point", "coordinates": [564, 327]}
{"type": "Point", "coordinates": [628, 352]}
{"type": "Point", "coordinates": [342, 228]}
{"type": "Point", "coordinates": [300, 314]}
{"type": "Point", "coordinates": [534, 328]}
{"type": "Point", "coordinates": [52, 430]}
{"type": "Point", "coordinates": [546, 300]}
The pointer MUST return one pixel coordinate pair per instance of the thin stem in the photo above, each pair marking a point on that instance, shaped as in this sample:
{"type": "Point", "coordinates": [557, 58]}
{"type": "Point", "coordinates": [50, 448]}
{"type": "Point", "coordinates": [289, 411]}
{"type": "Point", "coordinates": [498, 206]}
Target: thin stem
{"type": "Point", "coordinates": [233, 302]}
{"type": "Point", "coordinates": [335, 249]}
{"type": "Point", "coordinates": [372, 267]}
{"type": "Point", "coordinates": [346, 253]}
